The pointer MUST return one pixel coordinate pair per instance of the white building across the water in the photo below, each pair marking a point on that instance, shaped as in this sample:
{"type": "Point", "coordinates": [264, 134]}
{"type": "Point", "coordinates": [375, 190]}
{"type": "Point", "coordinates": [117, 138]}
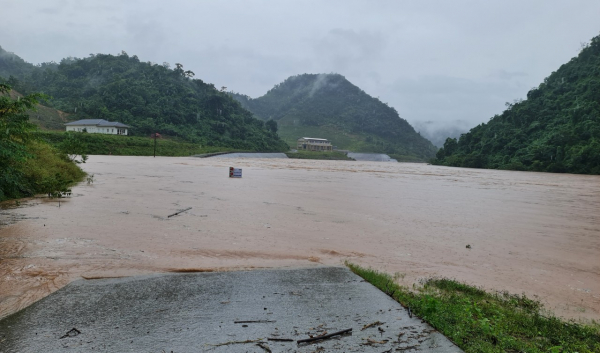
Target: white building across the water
{"type": "Point", "coordinates": [97, 126]}
{"type": "Point", "coordinates": [314, 144]}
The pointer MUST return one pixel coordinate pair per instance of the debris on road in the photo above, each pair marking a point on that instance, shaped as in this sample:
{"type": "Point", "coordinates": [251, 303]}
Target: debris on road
{"type": "Point", "coordinates": [72, 333]}
{"type": "Point", "coordinates": [371, 341]}
{"type": "Point", "coordinates": [265, 347]}
{"type": "Point", "coordinates": [236, 342]}
{"type": "Point", "coordinates": [372, 324]}
{"type": "Point", "coordinates": [176, 213]}
{"type": "Point", "coordinates": [307, 340]}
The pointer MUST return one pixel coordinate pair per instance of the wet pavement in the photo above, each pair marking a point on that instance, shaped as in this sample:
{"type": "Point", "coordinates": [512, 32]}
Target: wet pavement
{"type": "Point", "coordinates": [220, 312]}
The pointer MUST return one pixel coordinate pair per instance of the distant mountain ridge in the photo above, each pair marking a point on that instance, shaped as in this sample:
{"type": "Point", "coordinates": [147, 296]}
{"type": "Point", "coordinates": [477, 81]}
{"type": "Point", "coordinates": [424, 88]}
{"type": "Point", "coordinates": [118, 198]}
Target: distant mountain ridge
{"type": "Point", "coordinates": [331, 106]}
{"type": "Point", "coordinates": [556, 129]}
{"type": "Point", "coordinates": [147, 96]}
{"type": "Point", "coordinates": [13, 65]}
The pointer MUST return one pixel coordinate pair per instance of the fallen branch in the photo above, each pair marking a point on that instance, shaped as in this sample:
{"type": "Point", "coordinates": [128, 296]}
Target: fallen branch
{"type": "Point", "coordinates": [236, 342]}
{"type": "Point", "coordinates": [372, 324]}
{"type": "Point", "coordinates": [280, 339]}
{"type": "Point", "coordinates": [324, 337]}
{"type": "Point", "coordinates": [176, 213]}
{"type": "Point", "coordinates": [72, 333]}
{"type": "Point", "coordinates": [265, 347]}
{"type": "Point", "coordinates": [407, 347]}
{"type": "Point", "coordinates": [253, 322]}
{"type": "Point", "coordinates": [371, 341]}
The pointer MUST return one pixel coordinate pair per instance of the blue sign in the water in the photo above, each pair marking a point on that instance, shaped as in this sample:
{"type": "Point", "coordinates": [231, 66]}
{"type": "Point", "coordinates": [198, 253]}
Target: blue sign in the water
{"type": "Point", "coordinates": [235, 172]}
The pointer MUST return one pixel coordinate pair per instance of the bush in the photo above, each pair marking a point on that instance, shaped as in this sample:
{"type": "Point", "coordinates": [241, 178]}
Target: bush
{"type": "Point", "coordinates": [28, 166]}
{"type": "Point", "coordinates": [48, 171]}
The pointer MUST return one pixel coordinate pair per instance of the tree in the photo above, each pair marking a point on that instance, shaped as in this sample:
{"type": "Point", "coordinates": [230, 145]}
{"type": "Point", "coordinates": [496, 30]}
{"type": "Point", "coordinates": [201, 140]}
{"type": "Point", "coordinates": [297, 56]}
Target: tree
{"type": "Point", "coordinates": [271, 125]}
{"type": "Point", "coordinates": [15, 132]}
{"type": "Point", "coordinates": [73, 147]}
{"type": "Point", "coordinates": [28, 165]}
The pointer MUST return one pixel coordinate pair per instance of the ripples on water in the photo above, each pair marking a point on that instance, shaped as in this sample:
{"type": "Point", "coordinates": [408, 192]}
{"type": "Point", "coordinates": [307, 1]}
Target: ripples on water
{"type": "Point", "coordinates": [529, 232]}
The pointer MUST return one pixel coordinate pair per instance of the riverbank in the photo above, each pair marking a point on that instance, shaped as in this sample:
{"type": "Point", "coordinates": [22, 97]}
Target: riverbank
{"type": "Point", "coordinates": [478, 321]}
{"type": "Point", "coordinates": [322, 155]}
{"type": "Point", "coordinates": [529, 233]}
{"type": "Point", "coordinates": [119, 145]}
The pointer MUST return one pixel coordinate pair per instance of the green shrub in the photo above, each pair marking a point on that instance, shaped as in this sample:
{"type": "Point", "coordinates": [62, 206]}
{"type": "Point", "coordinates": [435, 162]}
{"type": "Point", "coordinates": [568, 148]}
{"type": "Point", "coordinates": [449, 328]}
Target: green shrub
{"type": "Point", "coordinates": [48, 171]}
{"type": "Point", "coordinates": [478, 321]}
{"type": "Point", "coordinates": [28, 166]}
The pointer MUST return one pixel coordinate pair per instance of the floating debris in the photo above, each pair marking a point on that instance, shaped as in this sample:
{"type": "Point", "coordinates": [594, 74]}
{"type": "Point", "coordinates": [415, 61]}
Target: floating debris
{"type": "Point", "coordinates": [72, 333]}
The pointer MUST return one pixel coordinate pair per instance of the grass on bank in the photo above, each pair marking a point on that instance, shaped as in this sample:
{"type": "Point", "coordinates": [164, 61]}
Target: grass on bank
{"type": "Point", "coordinates": [332, 155]}
{"type": "Point", "coordinates": [130, 145]}
{"type": "Point", "coordinates": [478, 321]}
{"type": "Point", "coordinates": [46, 171]}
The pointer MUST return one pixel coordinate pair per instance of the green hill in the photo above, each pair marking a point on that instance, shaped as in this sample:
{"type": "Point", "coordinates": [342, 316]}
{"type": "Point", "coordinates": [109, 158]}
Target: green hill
{"type": "Point", "coordinates": [12, 65]}
{"type": "Point", "coordinates": [44, 117]}
{"type": "Point", "coordinates": [149, 97]}
{"type": "Point", "coordinates": [556, 129]}
{"type": "Point", "coordinates": [329, 106]}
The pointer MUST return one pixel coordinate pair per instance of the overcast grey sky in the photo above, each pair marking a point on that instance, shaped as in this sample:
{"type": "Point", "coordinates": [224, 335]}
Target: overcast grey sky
{"type": "Point", "coordinates": [439, 61]}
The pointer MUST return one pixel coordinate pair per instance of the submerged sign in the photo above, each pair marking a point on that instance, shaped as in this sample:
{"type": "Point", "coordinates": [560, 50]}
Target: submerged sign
{"type": "Point", "coordinates": [235, 172]}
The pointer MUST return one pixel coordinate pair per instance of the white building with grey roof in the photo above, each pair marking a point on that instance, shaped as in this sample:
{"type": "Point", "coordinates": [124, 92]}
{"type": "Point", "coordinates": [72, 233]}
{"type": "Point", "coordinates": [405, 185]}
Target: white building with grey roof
{"type": "Point", "coordinates": [97, 126]}
{"type": "Point", "coordinates": [314, 144]}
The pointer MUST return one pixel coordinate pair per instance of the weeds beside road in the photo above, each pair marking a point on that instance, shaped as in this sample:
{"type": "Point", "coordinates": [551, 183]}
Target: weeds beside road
{"type": "Point", "coordinates": [478, 321]}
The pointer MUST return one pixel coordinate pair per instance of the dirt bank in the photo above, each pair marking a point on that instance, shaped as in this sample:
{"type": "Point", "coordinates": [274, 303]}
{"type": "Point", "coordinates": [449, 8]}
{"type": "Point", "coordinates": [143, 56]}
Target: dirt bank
{"type": "Point", "coordinates": [529, 232]}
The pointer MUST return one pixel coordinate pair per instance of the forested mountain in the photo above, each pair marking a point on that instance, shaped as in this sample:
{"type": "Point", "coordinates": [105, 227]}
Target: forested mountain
{"type": "Point", "coordinates": [149, 97]}
{"type": "Point", "coordinates": [332, 107]}
{"type": "Point", "coordinates": [556, 129]}
{"type": "Point", "coordinates": [12, 65]}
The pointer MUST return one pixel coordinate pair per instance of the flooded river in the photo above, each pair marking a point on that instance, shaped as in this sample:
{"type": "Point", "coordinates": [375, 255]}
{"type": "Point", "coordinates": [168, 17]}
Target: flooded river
{"type": "Point", "coordinates": [530, 233]}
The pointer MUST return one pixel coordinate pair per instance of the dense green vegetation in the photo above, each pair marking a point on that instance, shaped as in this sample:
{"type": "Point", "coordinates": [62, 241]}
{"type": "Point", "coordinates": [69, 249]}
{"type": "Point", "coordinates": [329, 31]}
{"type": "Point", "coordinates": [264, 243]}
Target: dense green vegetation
{"type": "Point", "coordinates": [12, 65]}
{"type": "Point", "coordinates": [149, 97]}
{"type": "Point", "coordinates": [29, 166]}
{"type": "Point", "coordinates": [43, 117]}
{"type": "Point", "coordinates": [557, 129]}
{"type": "Point", "coordinates": [478, 321]}
{"type": "Point", "coordinates": [340, 139]}
{"type": "Point", "coordinates": [128, 145]}
{"type": "Point", "coordinates": [325, 155]}
{"type": "Point", "coordinates": [329, 106]}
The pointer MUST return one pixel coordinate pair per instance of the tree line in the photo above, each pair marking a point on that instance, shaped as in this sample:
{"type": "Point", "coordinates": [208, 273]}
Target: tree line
{"type": "Point", "coordinates": [148, 96]}
{"type": "Point", "coordinates": [556, 129]}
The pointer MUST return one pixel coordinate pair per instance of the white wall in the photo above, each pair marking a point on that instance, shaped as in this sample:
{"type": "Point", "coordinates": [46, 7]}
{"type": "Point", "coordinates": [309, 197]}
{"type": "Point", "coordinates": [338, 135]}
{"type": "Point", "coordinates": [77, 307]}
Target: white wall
{"type": "Point", "coordinates": [97, 130]}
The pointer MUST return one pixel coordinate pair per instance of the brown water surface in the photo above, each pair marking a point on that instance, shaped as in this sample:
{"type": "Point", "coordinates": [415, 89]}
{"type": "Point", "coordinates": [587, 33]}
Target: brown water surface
{"type": "Point", "coordinates": [530, 233]}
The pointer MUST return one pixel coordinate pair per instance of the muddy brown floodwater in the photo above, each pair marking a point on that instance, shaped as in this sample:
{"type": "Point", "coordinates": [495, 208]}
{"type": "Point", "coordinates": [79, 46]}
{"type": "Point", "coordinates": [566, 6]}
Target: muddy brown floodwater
{"type": "Point", "coordinates": [530, 233]}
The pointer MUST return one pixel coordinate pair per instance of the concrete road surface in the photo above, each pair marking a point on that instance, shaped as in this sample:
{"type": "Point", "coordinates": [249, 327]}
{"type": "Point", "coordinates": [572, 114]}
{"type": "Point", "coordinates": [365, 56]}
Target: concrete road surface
{"type": "Point", "coordinates": [220, 312]}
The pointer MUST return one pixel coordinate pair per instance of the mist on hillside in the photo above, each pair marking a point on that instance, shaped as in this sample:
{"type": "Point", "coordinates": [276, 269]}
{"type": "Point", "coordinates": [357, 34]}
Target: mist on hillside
{"type": "Point", "coordinates": [438, 131]}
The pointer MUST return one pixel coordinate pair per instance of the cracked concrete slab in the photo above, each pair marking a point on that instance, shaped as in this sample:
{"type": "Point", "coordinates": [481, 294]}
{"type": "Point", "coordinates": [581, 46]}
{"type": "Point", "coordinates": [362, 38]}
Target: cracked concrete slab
{"type": "Point", "coordinates": [220, 312]}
